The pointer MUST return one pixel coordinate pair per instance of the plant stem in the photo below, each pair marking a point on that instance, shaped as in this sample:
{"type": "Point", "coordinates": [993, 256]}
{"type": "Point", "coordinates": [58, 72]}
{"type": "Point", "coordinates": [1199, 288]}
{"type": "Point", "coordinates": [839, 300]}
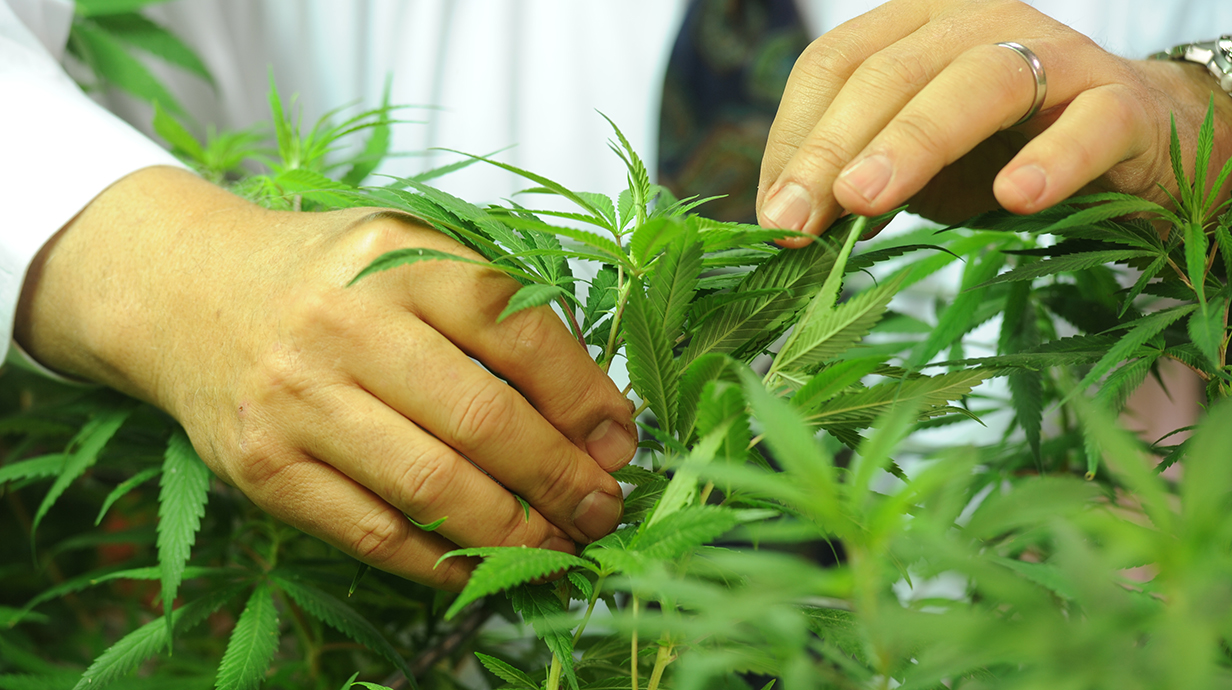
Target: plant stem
{"type": "Point", "coordinates": [590, 608]}
{"type": "Point", "coordinates": [622, 298]}
{"type": "Point", "coordinates": [641, 408]}
{"type": "Point", "coordinates": [554, 673]}
{"type": "Point", "coordinates": [633, 648]}
{"type": "Point", "coordinates": [577, 329]}
{"type": "Point", "coordinates": [663, 658]}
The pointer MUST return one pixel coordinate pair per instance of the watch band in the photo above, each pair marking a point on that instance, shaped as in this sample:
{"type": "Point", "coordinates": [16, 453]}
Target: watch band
{"type": "Point", "coordinates": [1216, 55]}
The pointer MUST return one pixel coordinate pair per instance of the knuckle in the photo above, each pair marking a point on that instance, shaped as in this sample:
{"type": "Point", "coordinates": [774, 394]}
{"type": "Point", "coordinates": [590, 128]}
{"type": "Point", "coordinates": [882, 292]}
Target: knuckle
{"type": "Point", "coordinates": [899, 72]}
{"type": "Point", "coordinates": [922, 131]}
{"type": "Point", "coordinates": [515, 530]}
{"type": "Point", "coordinates": [530, 329]}
{"type": "Point", "coordinates": [823, 153]}
{"type": "Point", "coordinates": [377, 536]}
{"type": "Point", "coordinates": [422, 483]}
{"type": "Point", "coordinates": [558, 483]}
{"type": "Point", "coordinates": [484, 412]}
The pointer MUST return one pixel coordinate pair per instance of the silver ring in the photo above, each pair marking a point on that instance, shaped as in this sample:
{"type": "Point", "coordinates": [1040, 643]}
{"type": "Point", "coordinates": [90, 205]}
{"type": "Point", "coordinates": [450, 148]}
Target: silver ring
{"type": "Point", "coordinates": [1037, 71]}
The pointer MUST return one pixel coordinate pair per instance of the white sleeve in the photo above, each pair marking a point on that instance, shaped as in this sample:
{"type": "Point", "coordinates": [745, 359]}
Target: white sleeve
{"type": "Point", "coordinates": [58, 148]}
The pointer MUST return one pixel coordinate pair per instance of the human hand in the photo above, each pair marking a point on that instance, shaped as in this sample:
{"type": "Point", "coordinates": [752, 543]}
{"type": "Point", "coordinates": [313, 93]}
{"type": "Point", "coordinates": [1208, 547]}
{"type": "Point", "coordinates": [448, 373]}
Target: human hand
{"type": "Point", "coordinates": [914, 103]}
{"type": "Point", "coordinates": [337, 409]}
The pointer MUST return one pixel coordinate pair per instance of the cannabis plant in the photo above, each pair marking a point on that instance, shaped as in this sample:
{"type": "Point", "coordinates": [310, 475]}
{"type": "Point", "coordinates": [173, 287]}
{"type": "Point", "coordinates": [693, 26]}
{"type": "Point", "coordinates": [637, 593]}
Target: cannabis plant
{"type": "Point", "coordinates": [799, 512]}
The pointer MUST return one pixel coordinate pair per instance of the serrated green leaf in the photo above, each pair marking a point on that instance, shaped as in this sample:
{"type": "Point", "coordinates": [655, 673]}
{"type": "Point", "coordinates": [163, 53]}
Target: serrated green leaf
{"type": "Point", "coordinates": [404, 257]}
{"type": "Point", "coordinates": [1207, 328]}
{"type": "Point", "coordinates": [637, 476]}
{"type": "Point", "coordinates": [681, 490]}
{"type": "Point", "coordinates": [83, 452]}
{"type": "Point", "coordinates": [1019, 333]}
{"type": "Point", "coordinates": [134, 648]}
{"type": "Point", "coordinates": [344, 619]}
{"type": "Point", "coordinates": [684, 530]}
{"type": "Point", "coordinates": [533, 295]}
{"type": "Point", "coordinates": [1114, 391]}
{"type": "Point", "coordinates": [112, 63]}
{"type": "Point", "coordinates": [796, 450]}
{"type": "Point", "coordinates": [601, 298]}
{"type": "Point", "coordinates": [651, 237]}
{"type": "Point", "coordinates": [1140, 284]}
{"type": "Point", "coordinates": [377, 145]}
{"type": "Point", "coordinates": [861, 409]}
{"type": "Point", "coordinates": [1206, 487]}
{"type": "Point", "coordinates": [639, 179]}
{"type": "Point", "coordinates": [1178, 166]}
{"type": "Point", "coordinates": [652, 369]}
{"type": "Point", "coordinates": [312, 185]}
{"type": "Point", "coordinates": [1142, 330]}
{"type": "Point", "coordinates": [960, 316]}
{"type": "Point", "coordinates": [832, 380]}
{"type": "Point", "coordinates": [1195, 259]}
{"type": "Point", "coordinates": [183, 492]}
{"type": "Point", "coordinates": [745, 324]}
{"type": "Point", "coordinates": [124, 487]}
{"type": "Point", "coordinates": [827, 334]}
{"type": "Point", "coordinates": [1224, 238]}
{"type": "Point", "coordinates": [673, 283]}
{"type": "Point", "coordinates": [585, 588]}
{"type": "Point", "coordinates": [250, 651]}
{"type": "Point", "coordinates": [539, 605]}
{"type": "Point", "coordinates": [539, 179]}
{"type": "Point", "coordinates": [1108, 211]}
{"type": "Point", "coordinates": [143, 34]}
{"type": "Point", "coordinates": [1067, 264]}
{"type": "Point", "coordinates": [696, 375]}
{"type": "Point", "coordinates": [40, 467]}
{"type": "Point", "coordinates": [505, 672]}
{"type": "Point", "coordinates": [504, 567]}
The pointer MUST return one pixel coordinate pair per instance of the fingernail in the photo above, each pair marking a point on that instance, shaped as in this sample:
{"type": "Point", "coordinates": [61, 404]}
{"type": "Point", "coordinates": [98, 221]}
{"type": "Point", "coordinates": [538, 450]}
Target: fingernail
{"type": "Point", "coordinates": [1030, 181]}
{"type": "Point", "coordinates": [557, 543]}
{"type": "Point", "coordinates": [611, 445]}
{"type": "Point", "coordinates": [868, 176]}
{"type": "Point", "coordinates": [598, 514]}
{"type": "Point", "coordinates": [788, 208]}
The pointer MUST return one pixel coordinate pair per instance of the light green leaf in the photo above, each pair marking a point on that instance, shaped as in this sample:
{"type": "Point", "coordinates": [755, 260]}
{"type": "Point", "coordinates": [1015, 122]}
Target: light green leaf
{"type": "Point", "coordinates": [931, 394]}
{"type": "Point", "coordinates": [250, 651]}
{"type": "Point", "coordinates": [651, 237]}
{"type": "Point", "coordinates": [141, 33]}
{"type": "Point", "coordinates": [183, 492]}
{"type": "Point", "coordinates": [960, 316]}
{"type": "Point", "coordinates": [170, 129]}
{"type": "Point", "coordinates": [832, 380]}
{"type": "Point", "coordinates": [1195, 258]}
{"type": "Point", "coordinates": [825, 334]}
{"type": "Point", "coordinates": [1207, 329]}
{"type": "Point", "coordinates": [632, 474]}
{"type": "Point", "coordinates": [679, 533]}
{"type": "Point", "coordinates": [601, 298]}
{"type": "Point", "coordinates": [696, 375]}
{"type": "Point", "coordinates": [533, 295]}
{"type": "Point", "coordinates": [504, 567]}
{"type": "Point", "coordinates": [1143, 330]}
{"type": "Point", "coordinates": [101, 8]}
{"type": "Point", "coordinates": [1107, 211]}
{"type": "Point", "coordinates": [1067, 263]}
{"type": "Point", "coordinates": [134, 648]}
{"type": "Point", "coordinates": [82, 453]}
{"type": "Point", "coordinates": [674, 281]}
{"type": "Point", "coordinates": [429, 527]}
{"type": "Point", "coordinates": [314, 186]}
{"type": "Point", "coordinates": [652, 370]}
{"type": "Point", "coordinates": [748, 323]}
{"type": "Point", "coordinates": [344, 619]}
{"type": "Point", "coordinates": [412, 255]}
{"type": "Point", "coordinates": [377, 146]}
{"type": "Point", "coordinates": [505, 672]}
{"type": "Point", "coordinates": [113, 64]}
{"type": "Point", "coordinates": [797, 450]}
{"type": "Point", "coordinates": [681, 490]}
{"type": "Point", "coordinates": [538, 606]}
{"type": "Point", "coordinates": [124, 487]}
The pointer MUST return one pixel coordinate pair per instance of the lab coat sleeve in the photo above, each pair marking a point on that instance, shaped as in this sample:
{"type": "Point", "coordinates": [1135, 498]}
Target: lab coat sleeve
{"type": "Point", "coordinates": [58, 148]}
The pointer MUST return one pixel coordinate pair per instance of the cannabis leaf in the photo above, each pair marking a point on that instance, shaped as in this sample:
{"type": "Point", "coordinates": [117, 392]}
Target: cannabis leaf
{"type": "Point", "coordinates": [184, 490]}
{"type": "Point", "coordinates": [252, 645]}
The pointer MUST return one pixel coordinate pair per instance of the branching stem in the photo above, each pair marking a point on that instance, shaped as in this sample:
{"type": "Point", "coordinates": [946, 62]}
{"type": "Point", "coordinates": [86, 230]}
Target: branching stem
{"type": "Point", "coordinates": [662, 659]}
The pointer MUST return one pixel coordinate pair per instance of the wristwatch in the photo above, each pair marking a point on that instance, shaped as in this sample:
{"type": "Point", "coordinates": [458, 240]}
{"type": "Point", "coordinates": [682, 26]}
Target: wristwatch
{"type": "Point", "coordinates": [1215, 55]}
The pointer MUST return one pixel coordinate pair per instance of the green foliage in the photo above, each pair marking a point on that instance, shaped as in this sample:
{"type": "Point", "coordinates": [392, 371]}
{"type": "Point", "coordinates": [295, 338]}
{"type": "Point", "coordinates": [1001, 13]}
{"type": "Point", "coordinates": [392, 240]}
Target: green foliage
{"type": "Point", "coordinates": [816, 499]}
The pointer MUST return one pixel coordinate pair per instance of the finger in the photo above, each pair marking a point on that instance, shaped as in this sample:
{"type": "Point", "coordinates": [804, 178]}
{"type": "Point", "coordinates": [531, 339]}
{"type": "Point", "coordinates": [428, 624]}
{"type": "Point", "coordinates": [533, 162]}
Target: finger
{"type": "Point", "coordinates": [937, 127]}
{"type": "Point", "coordinates": [818, 77]}
{"type": "Point", "coordinates": [538, 355]}
{"type": "Point", "coordinates": [532, 349]}
{"type": "Point", "coordinates": [421, 374]}
{"type": "Point", "coordinates": [1099, 129]}
{"type": "Point", "coordinates": [423, 477]}
{"type": "Point", "coordinates": [324, 502]}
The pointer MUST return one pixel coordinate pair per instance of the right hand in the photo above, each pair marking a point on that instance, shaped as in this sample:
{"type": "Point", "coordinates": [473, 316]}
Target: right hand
{"type": "Point", "coordinates": [336, 409]}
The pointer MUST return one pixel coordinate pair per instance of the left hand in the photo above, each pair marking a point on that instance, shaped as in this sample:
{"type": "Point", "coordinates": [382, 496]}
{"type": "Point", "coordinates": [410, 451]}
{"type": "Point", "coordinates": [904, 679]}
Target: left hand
{"type": "Point", "coordinates": [914, 103]}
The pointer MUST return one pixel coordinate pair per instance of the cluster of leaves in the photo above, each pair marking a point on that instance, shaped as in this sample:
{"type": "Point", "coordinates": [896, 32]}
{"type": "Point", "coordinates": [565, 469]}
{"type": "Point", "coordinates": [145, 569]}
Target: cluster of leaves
{"type": "Point", "coordinates": [778, 527]}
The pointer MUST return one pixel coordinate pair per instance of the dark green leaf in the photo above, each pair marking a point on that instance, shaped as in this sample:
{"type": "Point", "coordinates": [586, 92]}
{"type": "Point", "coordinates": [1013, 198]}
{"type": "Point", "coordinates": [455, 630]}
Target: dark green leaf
{"type": "Point", "coordinates": [1067, 264]}
{"type": "Point", "coordinates": [505, 672]}
{"type": "Point", "coordinates": [505, 567]}
{"type": "Point", "coordinates": [674, 281]}
{"type": "Point", "coordinates": [1142, 330]}
{"type": "Point", "coordinates": [170, 129]}
{"type": "Point", "coordinates": [183, 492]}
{"type": "Point", "coordinates": [34, 468]}
{"type": "Point", "coordinates": [684, 530]}
{"type": "Point", "coordinates": [124, 487]}
{"type": "Point", "coordinates": [252, 645]}
{"type": "Point", "coordinates": [344, 619]}
{"type": "Point", "coordinates": [82, 453]}
{"type": "Point", "coordinates": [1207, 329]}
{"type": "Point", "coordinates": [825, 334]}
{"type": "Point", "coordinates": [652, 370]}
{"type": "Point", "coordinates": [832, 380]}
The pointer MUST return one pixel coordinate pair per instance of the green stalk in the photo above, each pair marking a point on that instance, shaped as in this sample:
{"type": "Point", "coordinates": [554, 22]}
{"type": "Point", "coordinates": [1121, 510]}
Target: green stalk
{"type": "Point", "coordinates": [590, 608]}
{"type": "Point", "coordinates": [554, 673]}
{"type": "Point", "coordinates": [622, 299]}
{"type": "Point", "coordinates": [663, 658]}
{"type": "Point", "coordinates": [633, 648]}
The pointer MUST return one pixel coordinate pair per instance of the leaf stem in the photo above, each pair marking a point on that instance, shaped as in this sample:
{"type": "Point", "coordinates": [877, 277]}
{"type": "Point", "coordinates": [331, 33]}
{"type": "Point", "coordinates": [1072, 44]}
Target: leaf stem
{"type": "Point", "coordinates": [573, 324]}
{"type": "Point", "coordinates": [590, 607]}
{"type": "Point", "coordinates": [623, 289]}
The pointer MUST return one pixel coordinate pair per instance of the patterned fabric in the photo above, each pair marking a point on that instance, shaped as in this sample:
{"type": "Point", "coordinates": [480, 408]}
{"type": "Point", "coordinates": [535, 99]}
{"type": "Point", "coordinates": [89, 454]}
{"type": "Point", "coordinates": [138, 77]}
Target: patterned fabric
{"type": "Point", "coordinates": [724, 80]}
